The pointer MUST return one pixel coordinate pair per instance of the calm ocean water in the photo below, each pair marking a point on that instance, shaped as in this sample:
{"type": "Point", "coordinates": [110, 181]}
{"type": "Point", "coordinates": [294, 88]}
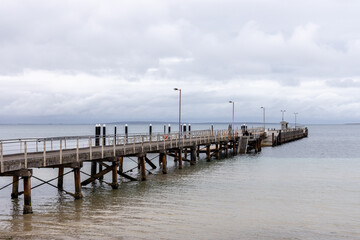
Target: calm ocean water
{"type": "Point", "coordinates": [308, 189]}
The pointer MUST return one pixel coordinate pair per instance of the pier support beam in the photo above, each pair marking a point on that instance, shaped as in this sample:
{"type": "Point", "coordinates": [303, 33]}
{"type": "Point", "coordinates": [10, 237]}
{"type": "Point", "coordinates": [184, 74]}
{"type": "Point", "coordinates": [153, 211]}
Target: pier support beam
{"type": "Point", "coordinates": [162, 158]}
{"type": "Point", "coordinates": [180, 159]}
{"type": "Point", "coordinates": [141, 160]}
{"type": "Point", "coordinates": [60, 184]}
{"type": "Point", "coordinates": [176, 158]}
{"type": "Point", "coordinates": [77, 181]}
{"type": "Point", "coordinates": [234, 147]}
{"type": "Point", "coordinates": [121, 161]}
{"type": "Point", "coordinates": [198, 151]}
{"type": "Point", "coordinates": [226, 149]}
{"type": "Point", "coordinates": [15, 187]}
{"type": "Point", "coordinates": [193, 156]}
{"type": "Point", "coordinates": [208, 157]}
{"type": "Point", "coordinates": [217, 152]}
{"type": "Point", "coordinates": [27, 193]}
{"type": "Point", "coordinates": [114, 184]}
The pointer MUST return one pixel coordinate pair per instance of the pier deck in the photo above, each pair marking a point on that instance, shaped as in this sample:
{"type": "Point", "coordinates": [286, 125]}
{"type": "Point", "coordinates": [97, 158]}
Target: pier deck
{"type": "Point", "coordinates": [107, 154]}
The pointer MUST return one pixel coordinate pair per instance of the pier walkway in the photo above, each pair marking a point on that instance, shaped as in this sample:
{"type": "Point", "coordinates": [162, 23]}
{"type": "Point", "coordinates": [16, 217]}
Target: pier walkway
{"type": "Point", "coordinates": [107, 153]}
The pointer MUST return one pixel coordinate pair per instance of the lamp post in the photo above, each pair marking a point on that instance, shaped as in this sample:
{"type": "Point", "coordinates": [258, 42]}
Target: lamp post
{"type": "Point", "coordinates": [282, 113]}
{"type": "Point", "coordinates": [178, 89]}
{"type": "Point", "coordinates": [233, 112]}
{"type": "Point", "coordinates": [295, 113]}
{"type": "Point", "coordinates": [263, 108]}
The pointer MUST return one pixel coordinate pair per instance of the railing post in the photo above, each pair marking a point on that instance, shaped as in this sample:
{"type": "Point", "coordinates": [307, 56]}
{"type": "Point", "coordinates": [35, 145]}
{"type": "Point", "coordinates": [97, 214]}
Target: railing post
{"type": "Point", "coordinates": [150, 143]}
{"type": "Point", "coordinates": [124, 145]}
{"type": "Point", "coordinates": [114, 145]}
{"type": "Point", "coordinates": [1, 158]}
{"type": "Point", "coordinates": [102, 150]}
{"type": "Point", "coordinates": [134, 142]}
{"type": "Point", "coordinates": [77, 149]}
{"type": "Point", "coordinates": [51, 144]}
{"type": "Point", "coordinates": [37, 145]}
{"type": "Point", "coordinates": [60, 151]}
{"type": "Point", "coordinates": [44, 153]}
{"type": "Point", "coordinates": [25, 154]}
{"type": "Point", "coordinates": [142, 143]}
{"type": "Point", "coordinates": [90, 148]}
{"type": "Point", "coordinates": [164, 140]}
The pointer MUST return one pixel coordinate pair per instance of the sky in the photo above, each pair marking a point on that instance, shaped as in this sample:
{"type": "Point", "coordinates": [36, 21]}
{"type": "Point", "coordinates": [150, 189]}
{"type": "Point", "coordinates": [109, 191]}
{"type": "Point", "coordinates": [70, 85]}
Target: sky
{"type": "Point", "coordinates": [109, 61]}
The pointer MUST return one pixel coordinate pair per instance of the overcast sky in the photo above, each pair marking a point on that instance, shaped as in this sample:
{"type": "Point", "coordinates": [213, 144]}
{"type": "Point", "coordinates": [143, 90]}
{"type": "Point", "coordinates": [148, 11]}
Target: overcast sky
{"type": "Point", "coordinates": [105, 61]}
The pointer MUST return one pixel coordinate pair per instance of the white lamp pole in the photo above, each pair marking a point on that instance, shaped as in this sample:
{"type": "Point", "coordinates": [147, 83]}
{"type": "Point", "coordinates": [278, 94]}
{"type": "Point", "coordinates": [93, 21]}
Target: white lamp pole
{"type": "Point", "coordinates": [233, 113]}
{"type": "Point", "coordinates": [295, 113]}
{"type": "Point", "coordinates": [178, 89]}
{"type": "Point", "coordinates": [282, 113]}
{"type": "Point", "coordinates": [263, 108]}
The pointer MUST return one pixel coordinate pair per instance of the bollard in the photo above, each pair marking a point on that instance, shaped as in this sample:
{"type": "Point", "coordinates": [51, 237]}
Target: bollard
{"type": "Point", "coordinates": [189, 128]}
{"type": "Point", "coordinates": [164, 129]}
{"type": "Point", "coordinates": [115, 132]}
{"type": "Point", "coordinates": [212, 129]}
{"type": "Point", "coordinates": [97, 143]}
{"type": "Point", "coordinates": [126, 133]}
{"type": "Point", "coordinates": [184, 126]}
{"type": "Point", "coordinates": [104, 134]}
{"type": "Point", "coordinates": [103, 144]}
{"type": "Point", "coordinates": [169, 129]}
{"type": "Point", "coordinates": [150, 130]}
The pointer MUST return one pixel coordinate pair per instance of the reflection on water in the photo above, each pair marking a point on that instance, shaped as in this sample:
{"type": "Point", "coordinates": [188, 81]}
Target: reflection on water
{"type": "Point", "coordinates": [277, 194]}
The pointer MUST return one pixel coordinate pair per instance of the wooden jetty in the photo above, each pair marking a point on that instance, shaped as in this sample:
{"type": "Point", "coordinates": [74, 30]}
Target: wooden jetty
{"type": "Point", "coordinates": [19, 156]}
{"type": "Point", "coordinates": [277, 137]}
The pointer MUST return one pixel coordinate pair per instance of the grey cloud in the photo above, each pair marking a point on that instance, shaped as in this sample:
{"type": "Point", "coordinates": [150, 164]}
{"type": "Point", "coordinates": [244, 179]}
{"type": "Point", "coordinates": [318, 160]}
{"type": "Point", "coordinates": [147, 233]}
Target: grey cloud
{"type": "Point", "coordinates": [252, 51]}
{"type": "Point", "coordinates": [343, 83]}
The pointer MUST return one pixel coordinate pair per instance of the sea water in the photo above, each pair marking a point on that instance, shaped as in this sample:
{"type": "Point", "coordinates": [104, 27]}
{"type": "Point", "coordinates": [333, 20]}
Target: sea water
{"type": "Point", "coordinates": [307, 189]}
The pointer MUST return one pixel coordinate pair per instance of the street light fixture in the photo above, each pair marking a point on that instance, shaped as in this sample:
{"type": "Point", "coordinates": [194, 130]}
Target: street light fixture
{"type": "Point", "coordinates": [263, 108]}
{"type": "Point", "coordinates": [179, 89]}
{"type": "Point", "coordinates": [233, 112]}
{"type": "Point", "coordinates": [295, 113]}
{"type": "Point", "coordinates": [282, 113]}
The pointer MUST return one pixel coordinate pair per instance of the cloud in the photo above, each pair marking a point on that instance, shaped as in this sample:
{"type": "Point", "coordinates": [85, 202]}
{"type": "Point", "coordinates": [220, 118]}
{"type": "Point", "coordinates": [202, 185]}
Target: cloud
{"type": "Point", "coordinates": [86, 60]}
{"type": "Point", "coordinates": [343, 83]}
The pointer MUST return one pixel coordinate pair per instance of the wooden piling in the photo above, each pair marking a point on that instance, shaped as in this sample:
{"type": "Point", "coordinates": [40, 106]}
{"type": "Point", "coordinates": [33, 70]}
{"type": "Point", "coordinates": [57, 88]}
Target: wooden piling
{"type": "Point", "coordinates": [180, 159]}
{"type": "Point", "coordinates": [60, 184]}
{"type": "Point", "coordinates": [176, 158]}
{"type": "Point", "coordinates": [78, 194]}
{"type": "Point", "coordinates": [141, 160]}
{"type": "Point", "coordinates": [217, 152]}
{"type": "Point", "coordinates": [27, 194]}
{"type": "Point", "coordinates": [234, 147]}
{"type": "Point", "coordinates": [121, 160]}
{"type": "Point", "coordinates": [208, 157]}
{"type": "Point", "coordinates": [162, 157]}
{"type": "Point", "coordinates": [193, 155]}
{"type": "Point", "coordinates": [226, 149]}
{"type": "Point", "coordinates": [15, 187]}
{"type": "Point", "coordinates": [114, 184]}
